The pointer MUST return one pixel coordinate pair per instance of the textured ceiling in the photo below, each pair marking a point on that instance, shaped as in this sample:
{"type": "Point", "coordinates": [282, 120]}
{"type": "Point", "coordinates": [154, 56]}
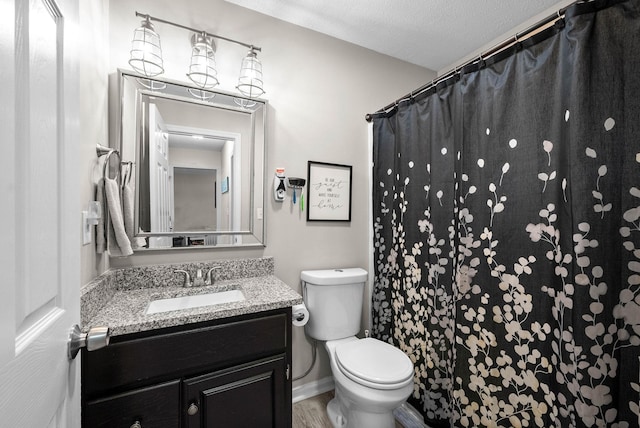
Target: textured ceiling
{"type": "Point", "coordinates": [432, 33]}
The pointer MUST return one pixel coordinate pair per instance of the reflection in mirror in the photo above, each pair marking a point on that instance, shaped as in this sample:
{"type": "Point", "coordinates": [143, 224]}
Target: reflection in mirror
{"type": "Point", "coordinates": [199, 164]}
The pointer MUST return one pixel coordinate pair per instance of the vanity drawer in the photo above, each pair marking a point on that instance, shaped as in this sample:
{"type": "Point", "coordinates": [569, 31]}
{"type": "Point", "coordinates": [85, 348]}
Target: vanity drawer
{"type": "Point", "coordinates": [153, 407]}
{"type": "Point", "coordinates": [181, 353]}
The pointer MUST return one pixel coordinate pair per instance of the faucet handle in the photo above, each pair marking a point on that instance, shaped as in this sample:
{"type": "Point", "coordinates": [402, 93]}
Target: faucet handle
{"type": "Point", "coordinates": [209, 280]}
{"type": "Point", "coordinates": [187, 277]}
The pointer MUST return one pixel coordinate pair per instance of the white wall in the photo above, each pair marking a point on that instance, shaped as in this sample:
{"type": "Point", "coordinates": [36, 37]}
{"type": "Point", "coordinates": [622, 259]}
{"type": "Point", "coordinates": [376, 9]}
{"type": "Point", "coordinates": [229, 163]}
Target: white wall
{"type": "Point", "coordinates": [94, 22]}
{"type": "Point", "coordinates": [319, 90]}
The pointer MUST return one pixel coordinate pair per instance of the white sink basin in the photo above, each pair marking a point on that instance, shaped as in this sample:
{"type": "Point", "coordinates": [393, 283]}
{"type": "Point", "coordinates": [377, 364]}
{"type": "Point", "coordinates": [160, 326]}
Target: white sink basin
{"type": "Point", "coordinates": [188, 302]}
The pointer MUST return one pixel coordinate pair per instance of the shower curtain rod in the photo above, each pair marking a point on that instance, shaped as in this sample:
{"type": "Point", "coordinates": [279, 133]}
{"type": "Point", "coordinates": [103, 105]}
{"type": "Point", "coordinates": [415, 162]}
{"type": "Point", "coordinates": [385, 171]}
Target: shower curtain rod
{"type": "Point", "coordinates": [518, 37]}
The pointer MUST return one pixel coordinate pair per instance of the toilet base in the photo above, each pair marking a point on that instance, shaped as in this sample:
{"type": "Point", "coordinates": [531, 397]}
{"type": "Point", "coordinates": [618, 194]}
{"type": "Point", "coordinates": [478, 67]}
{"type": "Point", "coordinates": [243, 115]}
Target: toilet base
{"type": "Point", "coordinates": [335, 415]}
{"type": "Point", "coordinates": [342, 415]}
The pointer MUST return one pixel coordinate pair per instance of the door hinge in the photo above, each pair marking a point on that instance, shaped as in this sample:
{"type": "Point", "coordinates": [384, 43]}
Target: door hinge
{"type": "Point", "coordinates": [287, 371]}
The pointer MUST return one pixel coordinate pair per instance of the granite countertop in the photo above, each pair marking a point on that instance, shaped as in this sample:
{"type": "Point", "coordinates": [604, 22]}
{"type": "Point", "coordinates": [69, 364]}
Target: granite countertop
{"type": "Point", "coordinates": [124, 313]}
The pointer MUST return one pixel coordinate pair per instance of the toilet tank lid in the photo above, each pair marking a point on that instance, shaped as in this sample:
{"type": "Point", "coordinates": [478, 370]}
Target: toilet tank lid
{"type": "Point", "coordinates": [334, 276]}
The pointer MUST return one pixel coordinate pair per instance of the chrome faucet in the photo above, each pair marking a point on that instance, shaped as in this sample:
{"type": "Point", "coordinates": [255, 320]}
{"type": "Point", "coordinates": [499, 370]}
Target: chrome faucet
{"type": "Point", "coordinates": [210, 279]}
{"type": "Point", "coordinates": [187, 277]}
{"type": "Point", "coordinates": [199, 279]}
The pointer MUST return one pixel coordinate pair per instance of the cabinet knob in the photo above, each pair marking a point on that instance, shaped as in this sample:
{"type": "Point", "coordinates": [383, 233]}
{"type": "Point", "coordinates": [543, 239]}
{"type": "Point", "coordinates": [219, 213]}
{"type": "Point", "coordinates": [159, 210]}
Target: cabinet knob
{"type": "Point", "coordinates": [193, 409]}
{"type": "Point", "coordinates": [136, 424]}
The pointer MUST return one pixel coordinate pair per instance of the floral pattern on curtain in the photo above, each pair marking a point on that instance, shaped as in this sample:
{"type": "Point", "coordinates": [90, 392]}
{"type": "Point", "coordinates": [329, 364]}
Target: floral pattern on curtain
{"type": "Point", "coordinates": [507, 232]}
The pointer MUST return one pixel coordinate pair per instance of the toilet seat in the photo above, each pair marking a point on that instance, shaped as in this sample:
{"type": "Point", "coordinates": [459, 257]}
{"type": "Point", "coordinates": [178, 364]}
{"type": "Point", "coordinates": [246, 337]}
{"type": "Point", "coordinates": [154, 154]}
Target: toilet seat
{"type": "Point", "coordinates": [375, 364]}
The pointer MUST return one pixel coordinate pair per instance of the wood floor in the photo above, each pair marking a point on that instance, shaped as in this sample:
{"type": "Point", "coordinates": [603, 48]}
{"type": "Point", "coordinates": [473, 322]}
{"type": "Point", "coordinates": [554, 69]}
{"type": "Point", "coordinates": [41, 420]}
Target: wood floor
{"type": "Point", "coordinates": [312, 412]}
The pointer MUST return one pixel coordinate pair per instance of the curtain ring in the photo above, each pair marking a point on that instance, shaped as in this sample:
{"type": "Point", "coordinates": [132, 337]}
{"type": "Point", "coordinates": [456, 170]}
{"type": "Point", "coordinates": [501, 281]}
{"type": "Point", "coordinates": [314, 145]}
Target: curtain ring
{"type": "Point", "coordinates": [560, 21]}
{"type": "Point", "coordinates": [517, 44]}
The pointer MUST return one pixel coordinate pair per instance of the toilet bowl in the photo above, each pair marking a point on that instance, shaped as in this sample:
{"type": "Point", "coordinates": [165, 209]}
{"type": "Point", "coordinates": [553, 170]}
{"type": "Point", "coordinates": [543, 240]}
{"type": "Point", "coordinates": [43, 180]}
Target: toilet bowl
{"type": "Point", "coordinates": [371, 377]}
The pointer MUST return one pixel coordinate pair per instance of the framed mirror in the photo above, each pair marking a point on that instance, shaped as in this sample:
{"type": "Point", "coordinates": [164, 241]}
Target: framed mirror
{"type": "Point", "coordinates": [195, 160]}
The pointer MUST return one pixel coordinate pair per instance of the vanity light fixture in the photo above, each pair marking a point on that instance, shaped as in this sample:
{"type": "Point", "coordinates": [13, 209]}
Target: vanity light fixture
{"type": "Point", "coordinates": [250, 81]}
{"type": "Point", "coordinates": [146, 53]}
{"type": "Point", "coordinates": [146, 58]}
{"type": "Point", "coordinates": [202, 70]}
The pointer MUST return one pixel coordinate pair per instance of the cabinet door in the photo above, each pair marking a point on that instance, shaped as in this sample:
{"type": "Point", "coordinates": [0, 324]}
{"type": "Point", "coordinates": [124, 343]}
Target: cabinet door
{"type": "Point", "coordinates": [153, 407]}
{"type": "Point", "coordinates": [247, 396]}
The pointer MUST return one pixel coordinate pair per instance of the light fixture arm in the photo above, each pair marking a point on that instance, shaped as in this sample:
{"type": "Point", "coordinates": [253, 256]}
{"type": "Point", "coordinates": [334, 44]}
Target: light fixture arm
{"type": "Point", "coordinates": [184, 27]}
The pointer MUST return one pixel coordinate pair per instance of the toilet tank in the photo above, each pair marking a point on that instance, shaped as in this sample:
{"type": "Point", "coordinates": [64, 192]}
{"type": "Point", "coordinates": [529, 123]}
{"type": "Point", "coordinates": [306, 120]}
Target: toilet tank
{"type": "Point", "coordinates": [334, 299]}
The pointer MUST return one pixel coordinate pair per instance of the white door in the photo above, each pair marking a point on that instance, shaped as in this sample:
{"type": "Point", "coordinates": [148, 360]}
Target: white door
{"type": "Point", "coordinates": [40, 214]}
{"type": "Point", "coordinates": [160, 186]}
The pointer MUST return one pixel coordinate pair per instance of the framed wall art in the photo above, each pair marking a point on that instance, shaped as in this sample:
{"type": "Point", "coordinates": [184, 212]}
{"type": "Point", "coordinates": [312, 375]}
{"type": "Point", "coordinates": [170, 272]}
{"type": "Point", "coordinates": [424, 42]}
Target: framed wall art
{"type": "Point", "coordinates": [329, 192]}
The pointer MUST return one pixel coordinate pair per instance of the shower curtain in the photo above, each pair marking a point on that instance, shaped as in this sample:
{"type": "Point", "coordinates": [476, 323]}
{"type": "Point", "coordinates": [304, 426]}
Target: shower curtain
{"type": "Point", "coordinates": [507, 231]}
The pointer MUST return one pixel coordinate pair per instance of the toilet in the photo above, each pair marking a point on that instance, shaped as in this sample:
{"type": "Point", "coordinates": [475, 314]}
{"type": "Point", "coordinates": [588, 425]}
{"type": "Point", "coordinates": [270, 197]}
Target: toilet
{"type": "Point", "coordinates": [371, 377]}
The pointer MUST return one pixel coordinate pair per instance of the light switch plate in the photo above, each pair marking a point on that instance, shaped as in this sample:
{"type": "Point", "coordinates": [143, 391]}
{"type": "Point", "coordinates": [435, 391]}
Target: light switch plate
{"type": "Point", "coordinates": [86, 228]}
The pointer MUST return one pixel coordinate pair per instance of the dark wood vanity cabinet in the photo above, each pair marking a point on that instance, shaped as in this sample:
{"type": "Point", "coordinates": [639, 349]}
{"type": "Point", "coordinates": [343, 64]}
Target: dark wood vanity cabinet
{"type": "Point", "coordinates": [245, 396]}
{"type": "Point", "coordinates": [227, 373]}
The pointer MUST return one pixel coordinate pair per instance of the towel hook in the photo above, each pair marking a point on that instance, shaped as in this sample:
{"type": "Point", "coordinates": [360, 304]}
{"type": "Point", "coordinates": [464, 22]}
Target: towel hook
{"type": "Point", "coordinates": [102, 150]}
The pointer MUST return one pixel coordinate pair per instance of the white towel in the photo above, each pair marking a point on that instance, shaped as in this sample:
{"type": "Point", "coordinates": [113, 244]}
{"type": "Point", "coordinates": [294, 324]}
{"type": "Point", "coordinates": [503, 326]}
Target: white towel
{"type": "Point", "coordinates": [101, 241]}
{"type": "Point", "coordinates": [129, 223]}
{"type": "Point", "coordinates": [127, 209]}
{"type": "Point", "coordinates": [118, 243]}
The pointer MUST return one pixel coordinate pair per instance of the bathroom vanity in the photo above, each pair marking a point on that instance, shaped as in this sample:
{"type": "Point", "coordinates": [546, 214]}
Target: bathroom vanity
{"type": "Point", "coordinates": [230, 372]}
{"type": "Point", "coordinates": [224, 365]}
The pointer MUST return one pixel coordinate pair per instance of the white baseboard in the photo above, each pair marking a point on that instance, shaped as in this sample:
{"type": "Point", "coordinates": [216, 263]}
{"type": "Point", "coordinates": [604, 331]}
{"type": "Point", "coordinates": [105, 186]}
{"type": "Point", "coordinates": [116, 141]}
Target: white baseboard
{"type": "Point", "coordinates": [312, 389]}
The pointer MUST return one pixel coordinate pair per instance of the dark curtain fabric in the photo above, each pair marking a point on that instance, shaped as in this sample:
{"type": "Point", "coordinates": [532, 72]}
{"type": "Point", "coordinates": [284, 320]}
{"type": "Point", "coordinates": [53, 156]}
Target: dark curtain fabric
{"type": "Point", "coordinates": [507, 231]}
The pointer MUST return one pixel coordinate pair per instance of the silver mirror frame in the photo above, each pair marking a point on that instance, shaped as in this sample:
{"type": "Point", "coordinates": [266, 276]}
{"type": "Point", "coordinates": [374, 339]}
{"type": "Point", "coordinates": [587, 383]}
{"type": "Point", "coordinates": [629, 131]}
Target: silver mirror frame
{"type": "Point", "coordinates": [255, 236]}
